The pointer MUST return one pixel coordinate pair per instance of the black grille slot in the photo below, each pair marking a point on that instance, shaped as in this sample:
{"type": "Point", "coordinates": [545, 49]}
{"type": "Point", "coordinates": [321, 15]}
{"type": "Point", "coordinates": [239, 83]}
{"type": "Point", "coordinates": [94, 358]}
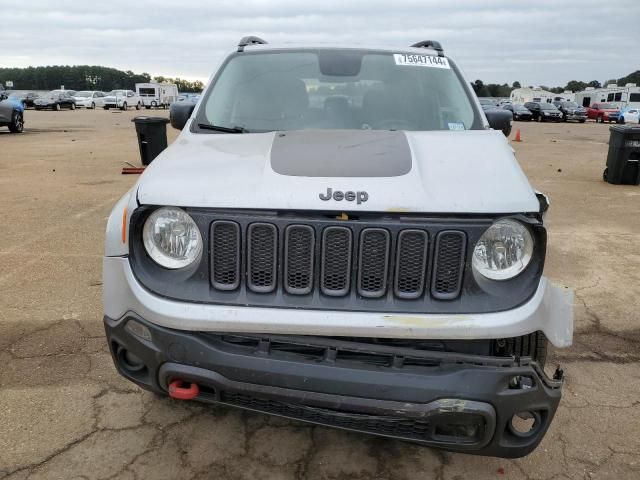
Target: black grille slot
{"type": "Point", "coordinates": [298, 261]}
{"type": "Point", "coordinates": [449, 265]}
{"type": "Point", "coordinates": [225, 255]}
{"type": "Point", "coordinates": [262, 255]}
{"type": "Point", "coordinates": [373, 262]}
{"type": "Point", "coordinates": [337, 244]}
{"type": "Point", "coordinates": [411, 263]}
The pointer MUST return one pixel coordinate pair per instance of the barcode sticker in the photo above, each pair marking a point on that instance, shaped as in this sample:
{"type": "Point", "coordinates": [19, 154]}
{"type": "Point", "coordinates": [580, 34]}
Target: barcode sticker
{"type": "Point", "coordinates": [415, 60]}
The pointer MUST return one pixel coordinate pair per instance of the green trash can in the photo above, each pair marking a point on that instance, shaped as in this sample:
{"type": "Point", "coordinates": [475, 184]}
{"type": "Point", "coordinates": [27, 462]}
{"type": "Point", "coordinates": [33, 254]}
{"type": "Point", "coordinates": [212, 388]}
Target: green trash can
{"type": "Point", "coordinates": [623, 160]}
{"type": "Point", "coordinates": [152, 137]}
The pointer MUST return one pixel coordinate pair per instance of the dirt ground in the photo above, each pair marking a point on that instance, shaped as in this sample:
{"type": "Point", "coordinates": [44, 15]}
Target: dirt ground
{"type": "Point", "coordinates": [65, 413]}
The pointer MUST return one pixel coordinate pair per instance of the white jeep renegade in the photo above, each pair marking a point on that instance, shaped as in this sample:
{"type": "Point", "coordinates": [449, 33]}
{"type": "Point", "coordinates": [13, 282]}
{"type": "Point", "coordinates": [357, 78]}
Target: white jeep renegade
{"type": "Point", "coordinates": [339, 236]}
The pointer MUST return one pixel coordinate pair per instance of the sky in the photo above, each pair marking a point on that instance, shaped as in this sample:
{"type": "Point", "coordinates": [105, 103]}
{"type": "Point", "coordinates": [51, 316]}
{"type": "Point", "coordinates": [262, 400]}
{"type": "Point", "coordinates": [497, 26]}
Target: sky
{"type": "Point", "coordinates": [541, 42]}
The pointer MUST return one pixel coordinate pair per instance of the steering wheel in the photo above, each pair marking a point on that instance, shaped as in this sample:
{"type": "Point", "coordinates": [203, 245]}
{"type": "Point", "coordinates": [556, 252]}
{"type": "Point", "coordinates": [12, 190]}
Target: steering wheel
{"type": "Point", "coordinates": [393, 124]}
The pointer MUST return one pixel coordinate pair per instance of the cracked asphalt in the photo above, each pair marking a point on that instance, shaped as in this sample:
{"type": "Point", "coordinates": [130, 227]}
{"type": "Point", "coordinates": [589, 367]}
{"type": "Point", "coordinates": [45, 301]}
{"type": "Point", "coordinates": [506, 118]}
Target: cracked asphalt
{"type": "Point", "coordinates": [66, 414]}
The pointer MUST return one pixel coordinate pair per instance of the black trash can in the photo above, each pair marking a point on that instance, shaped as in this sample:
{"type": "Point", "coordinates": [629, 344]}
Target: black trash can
{"type": "Point", "coordinates": [152, 137]}
{"type": "Point", "coordinates": [623, 160]}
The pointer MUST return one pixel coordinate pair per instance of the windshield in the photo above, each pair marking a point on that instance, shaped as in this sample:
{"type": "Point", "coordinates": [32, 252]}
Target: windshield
{"type": "Point", "coordinates": [116, 92]}
{"type": "Point", "coordinates": [338, 89]}
{"type": "Point", "coordinates": [519, 108]}
{"type": "Point", "coordinates": [83, 94]}
{"type": "Point", "coordinates": [609, 106]}
{"type": "Point", "coordinates": [547, 106]}
{"type": "Point", "coordinates": [570, 104]}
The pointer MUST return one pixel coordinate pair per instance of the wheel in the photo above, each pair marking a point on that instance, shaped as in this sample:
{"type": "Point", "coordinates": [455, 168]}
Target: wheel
{"type": "Point", "coordinates": [17, 123]}
{"type": "Point", "coordinates": [582, 121]}
{"type": "Point", "coordinates": [93, 105]}
{"type": "Point", "coordinates": [56, 107]}
{"type": "Point", "coordinates": [124, 106]}
{"type": "Point", "coordinates": [605, 174]}
{"type": "Point", "coordinates": [37, 108]}
{"type": "Point", "coordinates": [138, 106]}
{"type": "Point", "coordinates": [540, 118]}
{"type": "Point", "coordinates": [147, 107]}
{"type": "Point", "coordinates": [600, 119]}
{"type": "Point", "coordinates": [564, 118]}
{"type": "Point", "coordinates": [154, 104]}
{"type": "Point", "coordinates": [72, 106]}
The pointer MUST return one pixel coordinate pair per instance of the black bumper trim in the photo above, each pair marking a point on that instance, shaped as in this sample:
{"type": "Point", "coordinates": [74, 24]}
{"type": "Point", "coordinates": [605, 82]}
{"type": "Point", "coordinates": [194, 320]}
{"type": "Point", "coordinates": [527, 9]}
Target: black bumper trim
{"type": "Point", "coordinates": [457, 403]}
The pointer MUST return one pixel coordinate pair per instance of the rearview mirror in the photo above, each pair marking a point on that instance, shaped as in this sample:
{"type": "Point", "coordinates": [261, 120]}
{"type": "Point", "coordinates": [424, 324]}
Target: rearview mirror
{"type": "Point", "coordinates": [179, 113]}
{"type": "Point", "coordinates": [500, 120]}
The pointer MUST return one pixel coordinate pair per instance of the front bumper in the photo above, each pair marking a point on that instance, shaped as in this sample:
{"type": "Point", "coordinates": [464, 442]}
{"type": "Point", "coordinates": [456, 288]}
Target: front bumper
{"type": "Point", "coordinates": [458, 402]}
{"type": "Point", "coordinates": [576, 116]}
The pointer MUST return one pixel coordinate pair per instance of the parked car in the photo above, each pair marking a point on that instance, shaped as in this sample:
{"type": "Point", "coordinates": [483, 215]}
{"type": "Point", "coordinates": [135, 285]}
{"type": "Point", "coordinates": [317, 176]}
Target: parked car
{"type": "Point", "coordinates": [544, 111]}
{"type": "Point", "coordinates": [55, 100]}
{"type": "Point", "coordinates": [603, 112]}
{"type": "Point", "coordinates": [519, 111]}
{"type": "Point", "coordinates": [630, 115]}
{"type": "Point", "coordinates": [89, 99]}
{"type": "Point", "coordinates": [571, 111]}
{"type": "Point", "coordinates": [122, 99]}
{"type": "Point", "coordinates": [403, 297]}
{"type": "Point", "coordinates": [11, 113]}
{"type": "Point", "coordinates": [29, 99]}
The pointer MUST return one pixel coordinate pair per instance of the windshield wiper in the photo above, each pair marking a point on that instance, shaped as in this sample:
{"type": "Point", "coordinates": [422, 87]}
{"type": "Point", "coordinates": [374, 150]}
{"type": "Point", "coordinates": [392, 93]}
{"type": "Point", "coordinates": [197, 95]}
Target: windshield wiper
{"type": "Point", "coordinates": [206, 126]}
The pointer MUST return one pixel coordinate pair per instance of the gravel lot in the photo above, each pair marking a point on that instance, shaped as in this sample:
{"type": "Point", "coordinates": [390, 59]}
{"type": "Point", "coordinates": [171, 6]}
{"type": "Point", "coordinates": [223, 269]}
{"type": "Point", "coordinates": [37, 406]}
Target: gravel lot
{"type": "Point", "coordinates": [65, 413]}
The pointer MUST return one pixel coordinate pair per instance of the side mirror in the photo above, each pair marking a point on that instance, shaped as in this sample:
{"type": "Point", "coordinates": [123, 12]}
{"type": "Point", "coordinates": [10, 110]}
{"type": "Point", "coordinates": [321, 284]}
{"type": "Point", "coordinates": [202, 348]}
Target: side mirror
{"type": "Point", "coordinates": [500, 120]}
{"type": "Point", "coordinates": [179, 113]}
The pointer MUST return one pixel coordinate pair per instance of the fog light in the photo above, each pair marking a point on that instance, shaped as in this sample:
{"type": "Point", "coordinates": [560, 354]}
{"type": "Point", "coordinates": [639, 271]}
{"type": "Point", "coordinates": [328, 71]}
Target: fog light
{"type": "Point", "coordinates": [138, 329]}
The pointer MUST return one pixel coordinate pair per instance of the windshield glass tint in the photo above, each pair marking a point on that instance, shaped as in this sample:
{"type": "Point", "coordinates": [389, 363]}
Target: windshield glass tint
{"type": "Point", "coordinates": [570, 105]}
{"type": "Point", "coordinates": [547, 106]}
{"type": "Point", "coordinates": [335, 89]}
{"type": "Point", "coordinates": [83, 94]}
{"type": "Point", "coordinates": [608, 105]}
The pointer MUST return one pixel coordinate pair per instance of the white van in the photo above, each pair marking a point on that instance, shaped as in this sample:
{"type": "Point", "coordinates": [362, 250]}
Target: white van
{"type": "Point", "coordinates": [157, 94]}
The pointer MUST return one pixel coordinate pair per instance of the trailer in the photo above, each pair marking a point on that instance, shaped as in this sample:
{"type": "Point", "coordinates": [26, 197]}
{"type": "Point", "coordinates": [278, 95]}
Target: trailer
{"type": "Point", "coordinates": [531, 94]}
{"type": "Point", "coordinates": [157, 94]}
{"type": "Point", "coordinates": [621, 97]}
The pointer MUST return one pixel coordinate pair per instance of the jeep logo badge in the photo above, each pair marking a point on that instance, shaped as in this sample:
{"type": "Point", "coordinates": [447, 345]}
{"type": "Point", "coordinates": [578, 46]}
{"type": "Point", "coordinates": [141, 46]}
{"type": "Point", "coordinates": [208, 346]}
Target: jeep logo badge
{"type": "Point", "coordinates": [349, 196]}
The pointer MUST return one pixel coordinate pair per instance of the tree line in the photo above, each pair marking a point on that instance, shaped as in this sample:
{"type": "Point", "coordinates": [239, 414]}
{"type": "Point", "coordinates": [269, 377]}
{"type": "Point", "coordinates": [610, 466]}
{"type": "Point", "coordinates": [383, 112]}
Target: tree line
{"type": "Point", "coordinates": [85, 77]}
{"type": "Point", "coordinates": [497, 90]}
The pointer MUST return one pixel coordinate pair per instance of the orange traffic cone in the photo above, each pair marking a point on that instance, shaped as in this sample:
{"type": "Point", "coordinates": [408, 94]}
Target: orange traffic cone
{"type": "Point", "coordinates": [517, 139]}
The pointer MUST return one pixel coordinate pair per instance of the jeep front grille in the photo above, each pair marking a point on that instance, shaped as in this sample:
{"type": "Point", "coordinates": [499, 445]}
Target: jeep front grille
{"type": "Point", "coordinates": [372, 262]}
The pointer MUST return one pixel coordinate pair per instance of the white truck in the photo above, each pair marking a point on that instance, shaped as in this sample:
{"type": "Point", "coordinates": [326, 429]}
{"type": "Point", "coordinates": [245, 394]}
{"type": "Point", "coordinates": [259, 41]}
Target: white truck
{"type": "Point", "coordinates": [154, 95]}
{"type": "Point", "coordinates": [341, 236]}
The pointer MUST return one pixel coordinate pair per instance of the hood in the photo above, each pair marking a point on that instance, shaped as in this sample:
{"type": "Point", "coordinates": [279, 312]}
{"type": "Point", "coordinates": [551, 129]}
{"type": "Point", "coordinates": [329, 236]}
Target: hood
{"type": "Point", "coordinates": [471, 171]}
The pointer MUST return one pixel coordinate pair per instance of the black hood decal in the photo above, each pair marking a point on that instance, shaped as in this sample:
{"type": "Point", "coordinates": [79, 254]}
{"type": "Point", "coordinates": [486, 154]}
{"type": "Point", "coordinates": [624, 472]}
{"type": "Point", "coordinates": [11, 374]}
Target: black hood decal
{"type": "Point", "coordinates": [341, 153]}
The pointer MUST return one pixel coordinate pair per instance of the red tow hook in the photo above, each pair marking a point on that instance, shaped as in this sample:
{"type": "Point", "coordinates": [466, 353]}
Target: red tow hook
{"type": "Point", "coordinates": [178, 391]}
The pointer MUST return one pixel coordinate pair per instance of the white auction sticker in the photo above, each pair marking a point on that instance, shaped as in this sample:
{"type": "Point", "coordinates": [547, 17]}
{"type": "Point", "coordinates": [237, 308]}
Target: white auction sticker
{"type": "Point", "coordinates": [415, 60]}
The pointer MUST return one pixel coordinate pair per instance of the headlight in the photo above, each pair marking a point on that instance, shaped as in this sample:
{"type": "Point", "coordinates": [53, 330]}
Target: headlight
{"type": "Point", "coordinates": [503, 251]}
{"type": "Point", "coordinates": [172, 239]}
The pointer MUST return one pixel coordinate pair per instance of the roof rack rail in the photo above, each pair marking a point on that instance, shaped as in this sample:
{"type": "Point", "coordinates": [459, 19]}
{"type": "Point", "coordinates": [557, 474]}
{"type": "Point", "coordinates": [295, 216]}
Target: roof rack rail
{"type": "Point", "coordinates": [430, 44]}
{"type": "Point", "coordinates": [250, 40]}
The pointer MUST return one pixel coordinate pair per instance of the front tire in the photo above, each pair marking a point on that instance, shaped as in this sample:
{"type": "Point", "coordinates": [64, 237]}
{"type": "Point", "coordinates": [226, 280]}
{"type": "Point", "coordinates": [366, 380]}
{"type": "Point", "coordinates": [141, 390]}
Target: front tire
{"type": "Point", "coordinates": [540, 118]}
{"type": "Point", "coordinates": [138, 106]}
{"type": "Point", "coordinates": [72, 106]}
{"type": "Point", "coordinates": [17, 123]}
{"type": "Point", "coordinates": [582, 121]}
{"type": "Point", "coordinates": [93, 105]}
{"type": "Point", "coordinates": [124, 106]}
{"type": "Point", "coordinates": [56, 107]}
{"type": "Point", "coordinates": [105, 107]}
